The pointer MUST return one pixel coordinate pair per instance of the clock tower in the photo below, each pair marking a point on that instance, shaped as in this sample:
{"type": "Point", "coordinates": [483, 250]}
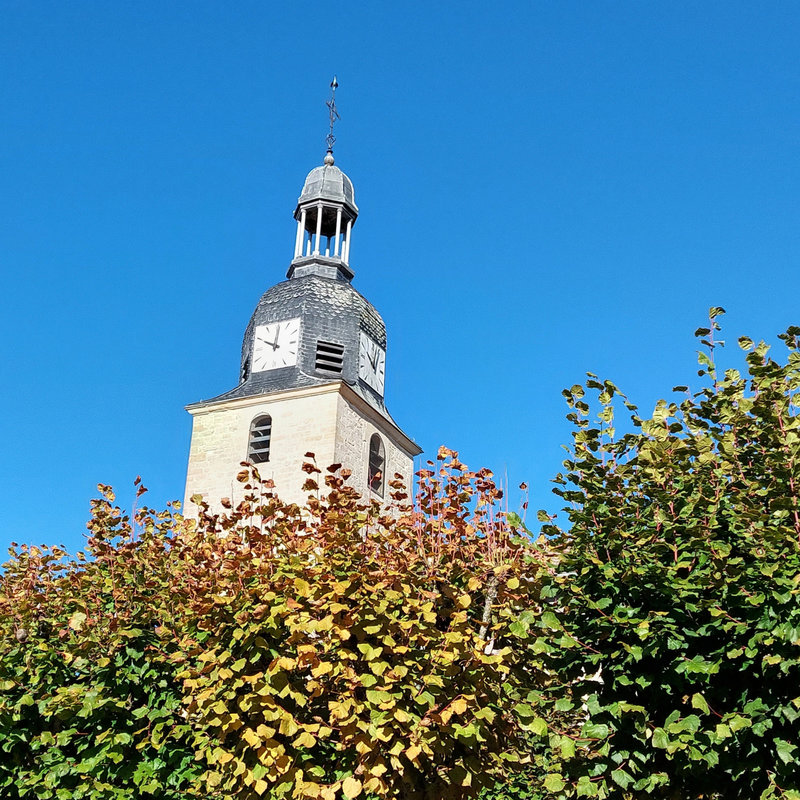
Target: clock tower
{"type": "Point", "coordinates": [312, 372]}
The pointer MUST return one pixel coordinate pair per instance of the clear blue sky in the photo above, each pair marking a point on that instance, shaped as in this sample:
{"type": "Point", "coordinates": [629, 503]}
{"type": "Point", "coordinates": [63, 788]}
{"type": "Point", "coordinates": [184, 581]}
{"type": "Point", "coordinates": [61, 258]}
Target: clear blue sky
{"type": "Point", "coordinates": [545, 188]}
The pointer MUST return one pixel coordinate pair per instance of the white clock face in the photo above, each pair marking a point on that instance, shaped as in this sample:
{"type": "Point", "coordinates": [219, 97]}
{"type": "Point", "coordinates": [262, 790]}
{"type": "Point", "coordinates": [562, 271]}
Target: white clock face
{"type": "Point", "coordinates": [276, 345]}
{"type": "Point", "coordinates": [371, 363]}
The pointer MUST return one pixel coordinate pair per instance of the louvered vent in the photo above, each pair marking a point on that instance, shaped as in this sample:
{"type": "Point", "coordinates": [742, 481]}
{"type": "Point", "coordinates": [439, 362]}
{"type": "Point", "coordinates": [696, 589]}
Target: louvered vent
{"type": "Point", "coordinates": [330, 358]}
{"type": "Point", "coordinates": [260, 435]}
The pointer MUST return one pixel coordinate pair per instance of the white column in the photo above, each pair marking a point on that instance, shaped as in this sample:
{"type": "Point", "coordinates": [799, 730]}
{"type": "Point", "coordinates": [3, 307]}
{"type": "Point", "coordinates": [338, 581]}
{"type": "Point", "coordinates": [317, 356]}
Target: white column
{"type": "Point", "coordinates": [319, 229]}
{"type": "Point", "coordinates": [298, 242]}
{"type": "Point", "coordinates": [338, 232]}
{"type": "Point", "coordinates": [346, 258]}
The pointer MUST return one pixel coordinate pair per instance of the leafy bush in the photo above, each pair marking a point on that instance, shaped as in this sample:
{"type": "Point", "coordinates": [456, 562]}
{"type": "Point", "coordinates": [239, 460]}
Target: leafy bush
{"type": "Point", "coordinates": [339, 650]}
{"type": "Point", "coordinates": [90, 706]}
{"type": "Point", "coordinates": [675, 616]}
{"type": "Point", "coordinates": [650, 649]}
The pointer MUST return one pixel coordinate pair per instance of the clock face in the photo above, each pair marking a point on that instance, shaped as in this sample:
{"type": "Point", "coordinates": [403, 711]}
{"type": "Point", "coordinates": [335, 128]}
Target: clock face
{"type": "Point", "coordinates": [371, 363]}
{"type": "Point", "coordinates": [276, 345]}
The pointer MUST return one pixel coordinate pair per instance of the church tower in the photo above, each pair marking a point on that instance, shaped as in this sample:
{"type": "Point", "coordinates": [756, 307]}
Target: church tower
{"type": "Point", "coordinates": [312, 371]}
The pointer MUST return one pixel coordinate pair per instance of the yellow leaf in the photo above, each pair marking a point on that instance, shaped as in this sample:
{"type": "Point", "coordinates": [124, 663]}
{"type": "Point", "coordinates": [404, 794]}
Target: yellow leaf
{"type": "Point", "coordinates": [305, 739]}
{"type": "Point", "coordinates": [463, 601]}
{"type": "Point", "coordinates": [351, 787]}
{"type": "Point", "coordinates": [323, 668]}
{"type": "Point", "coordinates": [339, 710]}
{"type": "Point", "coordinates": [251, 737]}
{"type": "Point", "coordinates": [513, 583]}
{"type": "Point", "coordinates": [395, 749]}
{"type": "Point", "coordinates": [213, 778]}
{"type": "Point", "coordinates": [412, 752]}
{"type": "Point", "coordinates": [303, 588]}
{"type": "Point", "coordinates": [261, 786]}
{"type": "Point", "coordinates": [459, 705]}
{"type": "Point", "coordinates": [76, 620]}
{"type": "Point", "coordinates": [288, 726]}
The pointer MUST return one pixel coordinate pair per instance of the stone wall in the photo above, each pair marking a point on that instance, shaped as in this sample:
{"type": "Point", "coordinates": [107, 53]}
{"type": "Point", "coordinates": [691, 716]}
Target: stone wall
{"type": "Point", "coordinates": [355, 427]}
{"type": "Point", "coordinates": [331, 421]}
{"type": "Point", "coordinates": [302, 421]}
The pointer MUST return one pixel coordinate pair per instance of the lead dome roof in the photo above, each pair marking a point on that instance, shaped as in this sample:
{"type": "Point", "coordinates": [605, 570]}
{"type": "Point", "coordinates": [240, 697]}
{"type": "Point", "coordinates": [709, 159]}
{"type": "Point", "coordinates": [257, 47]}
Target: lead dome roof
{"type": "Point", "coordinates": [328, 182]}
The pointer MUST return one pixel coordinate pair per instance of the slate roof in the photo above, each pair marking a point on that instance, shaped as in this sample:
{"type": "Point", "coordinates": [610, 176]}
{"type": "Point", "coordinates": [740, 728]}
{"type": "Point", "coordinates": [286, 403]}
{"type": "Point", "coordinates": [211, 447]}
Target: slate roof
{"type": "Point", "coordinates": [330, 310]}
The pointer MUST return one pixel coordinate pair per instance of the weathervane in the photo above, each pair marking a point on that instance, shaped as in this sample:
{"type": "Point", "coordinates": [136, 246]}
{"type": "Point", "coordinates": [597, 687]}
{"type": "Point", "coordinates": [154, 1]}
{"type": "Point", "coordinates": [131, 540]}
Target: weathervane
{"type": "Point", "coordinates": [334, 114]}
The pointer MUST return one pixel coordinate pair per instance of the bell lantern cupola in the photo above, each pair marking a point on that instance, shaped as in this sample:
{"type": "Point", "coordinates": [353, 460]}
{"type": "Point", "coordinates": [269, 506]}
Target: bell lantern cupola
{"type": "Point", "coordinates": [326, 212]}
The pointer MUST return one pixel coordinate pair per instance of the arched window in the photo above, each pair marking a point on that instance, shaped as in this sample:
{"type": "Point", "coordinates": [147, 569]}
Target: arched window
{"type": "Point", "coordinates": [377, 464]}
{"type": "Point", "coordinates": [260, 435]}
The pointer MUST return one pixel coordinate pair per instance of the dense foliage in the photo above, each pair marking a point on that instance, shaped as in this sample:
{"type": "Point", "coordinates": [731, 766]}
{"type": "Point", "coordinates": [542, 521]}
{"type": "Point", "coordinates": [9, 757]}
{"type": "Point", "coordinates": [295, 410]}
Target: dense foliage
{"type": "Point", "coordinates": [334, 651]}
{"type": "Point", "coordinates": [648, 649]}
{"type": "Point", "coordinates": [676, 624]}
{"type": "Point", "coordinates": [90, 706]}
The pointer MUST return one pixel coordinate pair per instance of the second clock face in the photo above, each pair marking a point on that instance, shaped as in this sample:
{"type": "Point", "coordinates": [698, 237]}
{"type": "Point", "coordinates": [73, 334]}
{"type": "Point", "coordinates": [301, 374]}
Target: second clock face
{"type": "Point", "coordinates": [371, 363]}
{"type": "Point", "coordinates": [276, 345]}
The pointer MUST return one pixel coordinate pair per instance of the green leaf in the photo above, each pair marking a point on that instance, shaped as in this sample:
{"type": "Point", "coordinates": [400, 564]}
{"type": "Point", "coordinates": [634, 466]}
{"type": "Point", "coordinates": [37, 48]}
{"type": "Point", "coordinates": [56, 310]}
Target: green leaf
{"type": "Point", "coordinates": [585, 787]}
{"type": "Point", "coordinates": [660, 738]}
{"type": "Point", "coordinates": [785, 751]}
{"type": "Point", "coordinates": [537, 726]}
{"type": "Point", "coordinates": [698, 702]}
{"type": "Point", "coordinates": [593, 730]}
{"type": "Point", "coordinates": [554, 782]}
{"type": "Point", "coordinates": [550, 620]}
{"type": "Point", "coordinates": [621, 778]}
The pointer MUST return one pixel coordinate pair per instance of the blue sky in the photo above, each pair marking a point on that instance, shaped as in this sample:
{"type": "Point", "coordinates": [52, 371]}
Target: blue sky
{"type": "Point", "coordinates": [545, 189]}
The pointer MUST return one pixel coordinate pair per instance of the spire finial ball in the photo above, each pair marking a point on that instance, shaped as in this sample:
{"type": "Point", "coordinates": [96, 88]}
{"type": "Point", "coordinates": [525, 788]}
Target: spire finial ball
{"type": "Point", "coordinates": [328, 161]}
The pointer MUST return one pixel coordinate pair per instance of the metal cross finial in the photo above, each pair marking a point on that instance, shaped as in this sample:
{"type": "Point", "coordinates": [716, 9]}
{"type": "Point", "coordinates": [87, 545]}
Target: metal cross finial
{"type": "Point", "coordinates": [334, 114]}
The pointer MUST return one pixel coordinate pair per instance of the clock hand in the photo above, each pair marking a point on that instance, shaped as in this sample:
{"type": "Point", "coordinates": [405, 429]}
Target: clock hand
{"type": "Point", "coordinates": [273, 345]}
{"type": "Point", "coordinates": [277, 337]}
